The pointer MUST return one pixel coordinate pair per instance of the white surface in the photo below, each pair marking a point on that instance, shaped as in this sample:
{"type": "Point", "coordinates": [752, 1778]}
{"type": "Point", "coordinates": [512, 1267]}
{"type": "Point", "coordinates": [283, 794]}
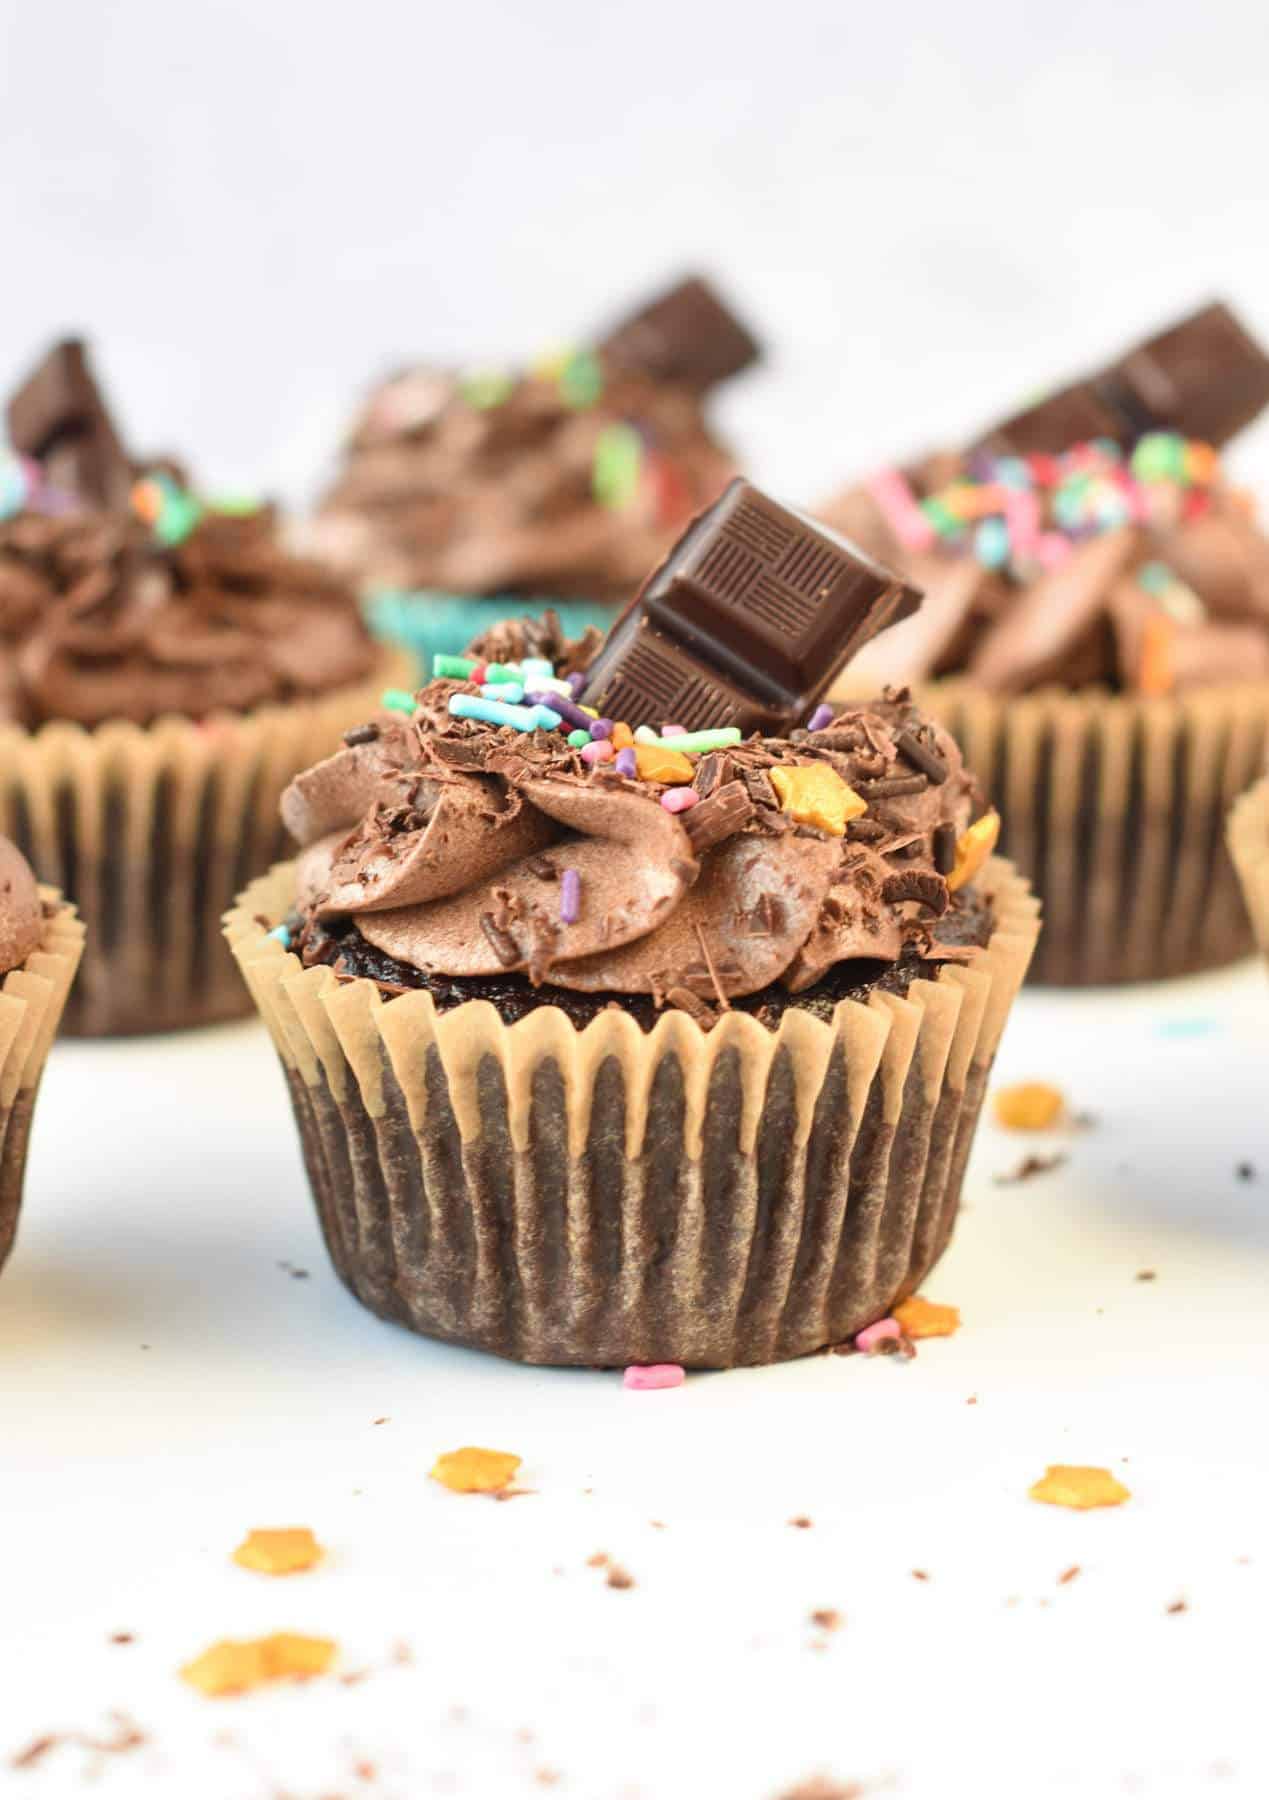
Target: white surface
{"type": "Point", "coordinates": [165, 1384]}
{"type": "Point", "coordinates": [929, 210]}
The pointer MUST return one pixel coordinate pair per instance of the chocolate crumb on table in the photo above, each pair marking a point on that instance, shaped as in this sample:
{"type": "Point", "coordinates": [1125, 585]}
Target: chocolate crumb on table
{"type": "Point", "coordinates": [1029, 1168]}
{"type": "Point", "coordinates": [827, 1618]}
{"type": "Point", "coordinates": [618, 1577]}
{"type": "Point", "coordinates": [1068, 1575]}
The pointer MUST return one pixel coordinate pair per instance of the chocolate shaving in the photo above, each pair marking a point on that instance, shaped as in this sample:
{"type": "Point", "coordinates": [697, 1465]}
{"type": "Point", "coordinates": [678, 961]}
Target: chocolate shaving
{"type": "Point", "coordinates": [361, 734]}
{"type": "Point", "coordinates": [720, 815]}
{"type": "Point", "coordinates": [504, 945]}
{"type": "Point", "coordinates": [890, 787]}
{"type": "Point", "coordinates": [459, 753]}
{"type": "Point", "coordinates": [692, 1004]}
{"type": "Point", "coordinates": [909, 745]}
{"type": "Point", "coordinates": [713, 771]}
{"type": "Point", "coordinates": [927, 889]}
{"type": "Point", "coordinates": [865, 831]}
{"type": "Point", "coordinates": [944, 848]}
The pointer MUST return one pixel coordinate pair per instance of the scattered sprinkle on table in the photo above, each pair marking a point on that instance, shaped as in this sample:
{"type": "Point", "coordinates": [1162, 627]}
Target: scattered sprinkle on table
{"type": "Point", "coordinates": [645, 1377]}
{"type": "Point", "coordinates": [1079, 1487]}
{"type": "Point", "coordinates": [235, 1665]}
{"type": "Point", "coordinates": [475, 1471]}
{"type": "Point", "coordinates": [921, 1318]}
{"type": "Point", "coordinates": [1068, 1575]}
{"type": "Point", "coordinates": [1029, 1106]}
{"type": "Point", "coordinates": [279, 1552]}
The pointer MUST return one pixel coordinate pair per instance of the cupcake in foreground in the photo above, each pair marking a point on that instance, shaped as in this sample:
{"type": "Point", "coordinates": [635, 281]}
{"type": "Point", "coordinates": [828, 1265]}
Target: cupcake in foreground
{"type": "Point", "coordinates": [1096, 623]}
{"type": "Point", "coordinates": [564, 482]}
{"type": "Point", "coordinates": [165, 668]}
{"type": "Point", "coordinates": [641, 1011]}
{"type": "Point", "coordinates": [40, 945]}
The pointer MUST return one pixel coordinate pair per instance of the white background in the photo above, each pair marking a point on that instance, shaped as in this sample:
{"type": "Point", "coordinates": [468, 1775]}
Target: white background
{"type": "Point", "coordinates": [164, 1195]}
{"type": "Point", "coordinates": [928, 209]}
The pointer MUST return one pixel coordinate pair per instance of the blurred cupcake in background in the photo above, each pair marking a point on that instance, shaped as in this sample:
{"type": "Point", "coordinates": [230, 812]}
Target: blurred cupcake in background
{"type": "Point", "coordinates": [1095, 632]}
{"type": "Point", "coordinates": [468, 494]}
{"type": "Point", "coordinates": [165, 668]}
{"type": "Point", "coordinates": [40, 945]}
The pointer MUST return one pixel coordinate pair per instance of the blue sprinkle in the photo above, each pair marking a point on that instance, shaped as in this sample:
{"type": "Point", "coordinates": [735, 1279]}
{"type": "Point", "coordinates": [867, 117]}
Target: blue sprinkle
{"type": "Point", "coordinates": [495, 712]}
{"type": "Point", "coordinates": [510, 691]}
{"type": "Point", "coordinates": [282, 934]}
{"type": "Point", "coordinates": [1187, 1028]}
{"type": "Point", "coordinates": [991, 543]}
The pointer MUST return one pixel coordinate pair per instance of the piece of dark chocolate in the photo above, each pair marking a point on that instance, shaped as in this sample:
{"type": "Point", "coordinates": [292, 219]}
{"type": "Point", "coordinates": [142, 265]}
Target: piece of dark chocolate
{"type": "Point", "coordinates": [686, 335]}
{"type": "Point", "coordinates": [59, 418]}
{"type": "Point", "coordinates": [1205, 376]}
{"type": "Point", "coordinates": [747, 621]}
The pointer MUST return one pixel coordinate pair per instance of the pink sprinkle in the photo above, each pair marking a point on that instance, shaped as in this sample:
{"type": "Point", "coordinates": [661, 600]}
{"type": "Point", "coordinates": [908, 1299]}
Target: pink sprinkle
{"type": "Point", "coordinates": [873, 1335]}
{"type": "Point", "coordinates": [1052, 549]}
{"type": "Point", "coordinates": [822, 716]}
{"type": "Point", "coordinates": [598, 751]}
{"type": "Point", "coordinates": [627, 764]}
{"type": "Point", "coordinates": [570, 896]}
{"type": "Point", "coordinates": [897, 501]}
{"type": "Point", "coordinates": [1022, 516]}
{"type": "Point", "coordinates": [679, 799]}
{"type": "Point", "coordinates": [645, 1376]}
{"type": "Point", "coordinates": [674, 731]}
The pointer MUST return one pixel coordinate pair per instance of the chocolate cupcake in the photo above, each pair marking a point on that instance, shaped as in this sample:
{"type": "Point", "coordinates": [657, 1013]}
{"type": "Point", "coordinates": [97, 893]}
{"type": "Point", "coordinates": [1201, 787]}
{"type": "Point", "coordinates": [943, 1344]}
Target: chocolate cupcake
{"type": "Point", "coordinates": [559, 484]}
{"type": "Point", "coordinates": [165, 668]}
{"type": "Point", "coordinates": [1096, 635]}
{"type": "Point", "coordinates": [611, 1045]}
{"type": "Point", "coordinates": [40, 945]}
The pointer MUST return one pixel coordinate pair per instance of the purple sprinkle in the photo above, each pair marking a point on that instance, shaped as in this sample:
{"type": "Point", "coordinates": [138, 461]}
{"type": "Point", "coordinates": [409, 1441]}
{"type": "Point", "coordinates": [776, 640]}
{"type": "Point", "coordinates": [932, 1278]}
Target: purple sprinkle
{"type": "Point", "coordinates": [601, 728]}
{"type": "Point", "coordinates": [627, 765]}
{"type": "Point", "coordinates": [567, 709]}
{"type": "Point", "coordinates": [822, 716]}
{"type": "Point", "coordinates": [577, 681]}
{"type": "Point", "coordinates": [570, 896]}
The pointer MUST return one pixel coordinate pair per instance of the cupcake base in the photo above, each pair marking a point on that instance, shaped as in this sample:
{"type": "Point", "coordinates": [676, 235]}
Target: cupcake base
{"type": "Point", "coordinates": [151, 831]}
{"type": "Point", "coordinates": [610, 1196]}
{"type": "Point", "coordinates": [31, 1004]}
{"type": "Point", "coordinates": [1248, 840]}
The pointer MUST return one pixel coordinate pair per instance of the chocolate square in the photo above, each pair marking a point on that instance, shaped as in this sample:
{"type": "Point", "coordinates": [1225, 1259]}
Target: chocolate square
{"type": "Point", "coordinates": [687, 335]}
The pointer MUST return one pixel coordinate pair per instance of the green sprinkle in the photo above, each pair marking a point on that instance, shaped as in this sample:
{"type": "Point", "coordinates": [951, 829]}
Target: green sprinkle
{"type": "Point", "coordinates": [1159, 456]}
{"type": "Point", "coordinates": [179, 513]}
{"type": "Point", "coordinates": [943, 519]}
{"type": "Point", "coordinates": [696, 743]}
{"type": "Point", "coordinates": [483, 389]}
{"type": "Point", "coordinates": [503, 672]}
{"type": "Point", "coordinates": [397, 700]}
{"type": "Point", "coordinates": [618, 461]}
{"type": "Point", "coordinates": [235, 506]}
{"type": "Point", "coordinates": [1155, 577]}
{"type": "Point", "coordinates": [578, 739]}
{"type": "Point", "coordinates": [455, 668]}
{"type": "Point", "coordinates": [581, 380]}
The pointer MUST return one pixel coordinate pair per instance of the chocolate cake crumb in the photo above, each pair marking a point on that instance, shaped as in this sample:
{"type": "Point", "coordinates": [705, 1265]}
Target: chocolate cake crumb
{"type": "Point", "coordinates": [1029, 1167]}
{"type": "Point", "coordinates": [618, 1577]}
{"type": "Point", "coordinates": [920, 1574]}
{"type": "Point", "coordinates": [1068, 1575]}
{"type": "Point", "coordinates": [1178, 1606]}
{"type": "Point", "coordinates": [802, 1523]}
{"type": "Point", "coordinates": [1145, 1275]}
{"type": "Point", "coordinates": [1246, 1171]}
{"type": "Point", "coordinates": [827, 1618]}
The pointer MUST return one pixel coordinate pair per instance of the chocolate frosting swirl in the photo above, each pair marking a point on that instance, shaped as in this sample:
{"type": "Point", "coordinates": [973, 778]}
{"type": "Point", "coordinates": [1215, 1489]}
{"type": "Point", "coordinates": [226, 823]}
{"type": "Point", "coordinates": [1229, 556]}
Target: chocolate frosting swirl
{"type": "Point", "coordinates": [447, 842]}
{"type": "Point", "coordinates": [100, 621]}
{"type": "Point", "coordinates": [441, 489]}
{"type": "Point", "coordinates": [21, 910]}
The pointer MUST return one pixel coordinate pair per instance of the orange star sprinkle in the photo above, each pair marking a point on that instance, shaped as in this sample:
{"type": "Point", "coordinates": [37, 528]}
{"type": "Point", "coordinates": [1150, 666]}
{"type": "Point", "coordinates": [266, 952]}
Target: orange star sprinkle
{"type": "Point", "coordinates": [283, 1552]}
{"type": "Point", "coordinates": [474, 1471]}
{"type": "Point", "coordinates": [814, 794]}
{"type": "Point", "coordinates": [1030, 1106]}
{"type": "Point", "coordinates": [235, 1665]}
{"type": "Point", "coordinates": [1078, 1487]}
{"type": "Point", "coordinates": [655, 764]}
{"type": "Point", "coordinates": [921, 1318]}
{"type": "Point", "coordinates": [973, 847]}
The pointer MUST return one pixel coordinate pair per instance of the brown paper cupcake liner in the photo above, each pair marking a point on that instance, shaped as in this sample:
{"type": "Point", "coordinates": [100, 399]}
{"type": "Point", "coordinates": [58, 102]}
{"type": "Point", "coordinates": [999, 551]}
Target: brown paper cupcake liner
{"type": "Point", "coordinates": [152, 831]}
{"type": "Point", "coordinates": [1247, 835]}
{"type": "Point", "coordinates": [1114, 807]}
{"type": "Point", "coordinates": [32, 1000]}
{"type": "Point", "coordinates": [611, 1197]}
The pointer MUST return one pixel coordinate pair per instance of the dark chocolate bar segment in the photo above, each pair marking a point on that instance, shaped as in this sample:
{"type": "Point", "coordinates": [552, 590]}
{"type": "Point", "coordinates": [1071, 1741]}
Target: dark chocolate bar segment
{"type": "Point", "coordinates": [687, 335]}
{"type": "Point", "coordinates": [746, 622]}
{"type": "Point", "coordinates": [59, 418]}
{"type": "Point", "coordinates": [1205, 377]}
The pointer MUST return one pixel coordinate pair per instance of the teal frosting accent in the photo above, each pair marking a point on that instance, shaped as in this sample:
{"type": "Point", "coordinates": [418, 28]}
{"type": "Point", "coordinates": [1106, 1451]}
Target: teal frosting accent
{"type": "Point", "coordinates": [429, 623]}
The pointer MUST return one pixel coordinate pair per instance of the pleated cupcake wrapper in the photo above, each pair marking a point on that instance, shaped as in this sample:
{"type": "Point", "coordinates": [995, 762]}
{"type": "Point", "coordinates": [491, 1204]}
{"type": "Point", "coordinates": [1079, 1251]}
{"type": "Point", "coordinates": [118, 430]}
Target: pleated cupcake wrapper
{"type": "Point", "coordinates": [32, 999]}
{"type": "Point", "coordinates": [609, 1196]}
{"type": "Point", "coordinates": [1248, 839]}
{"type": "Point", "coordinates": [152, 830]}
{"type": "Point", "coordinates": [1114, 807]}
